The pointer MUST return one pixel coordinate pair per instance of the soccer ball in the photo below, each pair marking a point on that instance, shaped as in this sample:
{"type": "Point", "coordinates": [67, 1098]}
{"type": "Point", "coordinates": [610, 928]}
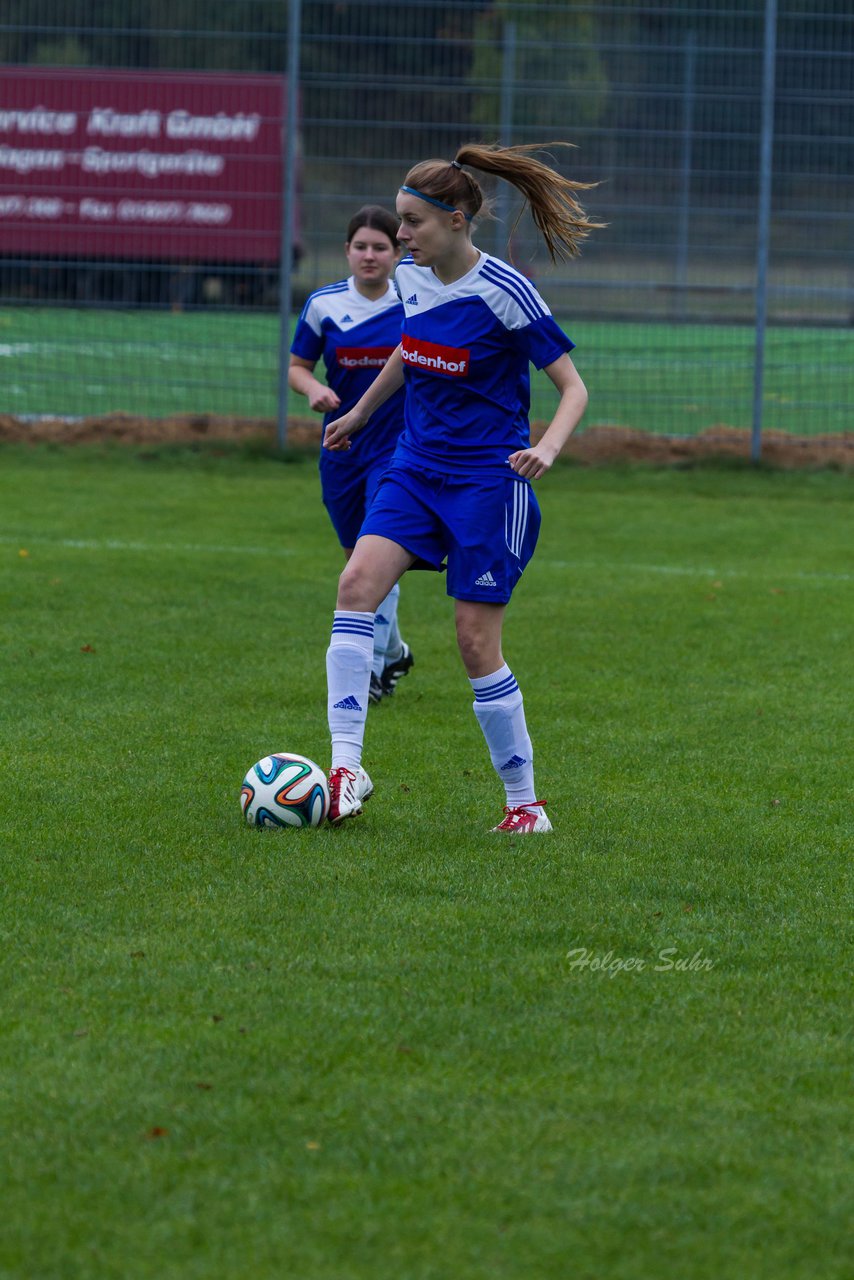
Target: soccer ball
{"type": "Point", "coordinates": [285, 790]}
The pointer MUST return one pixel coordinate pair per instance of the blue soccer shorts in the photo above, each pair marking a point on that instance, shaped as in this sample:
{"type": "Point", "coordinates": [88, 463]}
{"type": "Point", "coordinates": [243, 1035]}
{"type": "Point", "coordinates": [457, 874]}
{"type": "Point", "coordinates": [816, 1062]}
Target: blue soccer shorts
{"type": "Point", "coordinates": [485, 527]}
{"type": "Point", "coordinates": [348, 491]}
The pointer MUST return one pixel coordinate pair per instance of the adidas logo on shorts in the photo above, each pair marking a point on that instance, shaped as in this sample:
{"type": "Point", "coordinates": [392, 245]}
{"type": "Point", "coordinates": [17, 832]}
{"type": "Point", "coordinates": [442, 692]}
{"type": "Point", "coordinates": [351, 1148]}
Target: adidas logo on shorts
{"type": "Point", "coordinates": [347, 704]}
{"type": "Point", "coordinates": [485, 580]}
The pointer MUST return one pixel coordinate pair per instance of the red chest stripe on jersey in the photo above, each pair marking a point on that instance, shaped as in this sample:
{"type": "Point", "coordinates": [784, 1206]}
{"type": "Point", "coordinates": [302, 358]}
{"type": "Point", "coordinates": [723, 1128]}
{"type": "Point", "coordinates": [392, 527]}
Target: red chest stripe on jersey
{"type": "Point", "coordinates": [451, 361]}
{"type": "Point", "coordinates": [362, 357]}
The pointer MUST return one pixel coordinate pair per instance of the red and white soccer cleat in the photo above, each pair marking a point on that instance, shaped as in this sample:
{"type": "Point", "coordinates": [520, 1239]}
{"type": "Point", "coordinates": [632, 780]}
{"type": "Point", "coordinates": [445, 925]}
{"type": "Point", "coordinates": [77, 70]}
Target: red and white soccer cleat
{"type": "Point", "coordinates": [520, 821]}
{"type": "Point", "coordinates": [347, 790]}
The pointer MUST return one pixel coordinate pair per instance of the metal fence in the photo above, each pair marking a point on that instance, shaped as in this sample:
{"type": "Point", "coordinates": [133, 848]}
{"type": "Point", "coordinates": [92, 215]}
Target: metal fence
{"type": "Point", "coordinates": [720, 137]}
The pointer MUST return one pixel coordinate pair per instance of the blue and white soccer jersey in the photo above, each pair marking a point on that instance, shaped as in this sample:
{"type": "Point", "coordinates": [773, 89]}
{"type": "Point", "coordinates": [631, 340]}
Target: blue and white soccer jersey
{"type": "Point", "coordinates": [467, 347]}
{"type": "Point", "coordinates": [354, 336]}
{"type": "Point", "coordinates": [450, 492]}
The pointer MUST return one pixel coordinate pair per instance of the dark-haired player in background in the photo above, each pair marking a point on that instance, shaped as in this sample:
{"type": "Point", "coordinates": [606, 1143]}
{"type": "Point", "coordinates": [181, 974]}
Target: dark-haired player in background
{"type": "Point", "coordinates": [354, 326]}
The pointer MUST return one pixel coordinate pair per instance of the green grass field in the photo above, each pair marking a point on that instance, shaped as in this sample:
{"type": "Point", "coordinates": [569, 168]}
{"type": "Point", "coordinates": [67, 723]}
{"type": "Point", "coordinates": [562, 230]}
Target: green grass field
{"type": "Point", "coordinates": [408, 1048]}
{"type": "Point", "coordinates": [657, 377]}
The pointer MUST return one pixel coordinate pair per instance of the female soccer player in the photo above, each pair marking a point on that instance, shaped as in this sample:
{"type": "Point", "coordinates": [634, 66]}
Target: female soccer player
{"type": "Point", "coordinates": [458, 488]}
{"type": "Point", "coordinates": [355, 326]}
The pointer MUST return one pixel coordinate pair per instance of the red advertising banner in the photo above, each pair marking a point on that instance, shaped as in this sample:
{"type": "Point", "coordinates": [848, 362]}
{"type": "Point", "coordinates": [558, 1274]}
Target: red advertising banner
{"type": "Point", "coordinates": [171, 165]}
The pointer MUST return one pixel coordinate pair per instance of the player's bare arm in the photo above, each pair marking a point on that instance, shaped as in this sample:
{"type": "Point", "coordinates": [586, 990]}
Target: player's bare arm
{"type": "Point", "coordinates": [321, 399]}
{"type": "Point", "coordinates": [536, 461]}
{"type": "Point", "coordinates": [337, 436]}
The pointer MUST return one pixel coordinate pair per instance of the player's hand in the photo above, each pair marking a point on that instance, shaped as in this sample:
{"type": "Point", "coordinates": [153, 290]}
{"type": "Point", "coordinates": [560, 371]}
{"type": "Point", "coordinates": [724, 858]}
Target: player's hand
{"type": "Point", "coordinates": [337, 434]}
{"type": "Point", "coordinates": [324, 399]}
{"type": "Point", "coordinates": [532, 463]}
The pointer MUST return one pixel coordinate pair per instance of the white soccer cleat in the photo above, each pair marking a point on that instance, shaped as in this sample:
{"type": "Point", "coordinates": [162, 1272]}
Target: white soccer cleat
{"type": "Point", "coordinates": [347, 790]}
{"type": "Point", "coordinates": [520, 821]}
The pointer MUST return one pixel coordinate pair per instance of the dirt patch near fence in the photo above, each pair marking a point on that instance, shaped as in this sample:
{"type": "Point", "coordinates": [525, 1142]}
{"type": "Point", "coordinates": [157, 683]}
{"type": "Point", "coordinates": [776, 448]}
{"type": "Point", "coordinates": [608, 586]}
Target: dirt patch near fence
{"type": "Point", "coordinates": [779, 449]}
{"type": "Point", "coordinates": [594, 445]}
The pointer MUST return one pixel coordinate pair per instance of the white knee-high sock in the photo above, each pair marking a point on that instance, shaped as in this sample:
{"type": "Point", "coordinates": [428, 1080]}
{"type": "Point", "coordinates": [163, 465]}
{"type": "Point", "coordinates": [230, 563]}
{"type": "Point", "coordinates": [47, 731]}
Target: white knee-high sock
{"type": "Point", "coordinates": [500, 712]}
{"type": "Point", "coordinates": [348, 676]}
{"type": "Point", "coordinates": [385, 628]}
{"type": "Point", "coordinates": [394, 645]}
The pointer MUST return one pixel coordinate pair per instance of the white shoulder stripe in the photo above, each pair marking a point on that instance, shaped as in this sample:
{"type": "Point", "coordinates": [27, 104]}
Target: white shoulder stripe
{"type": "Point", "coordinates": [512, 276]}
{"type": "Point", "coordinates": [517, 288]}
{"type": "Point", "coordinates": [340, 286]}
{"type": "Point", "coordinates": [317, 305]}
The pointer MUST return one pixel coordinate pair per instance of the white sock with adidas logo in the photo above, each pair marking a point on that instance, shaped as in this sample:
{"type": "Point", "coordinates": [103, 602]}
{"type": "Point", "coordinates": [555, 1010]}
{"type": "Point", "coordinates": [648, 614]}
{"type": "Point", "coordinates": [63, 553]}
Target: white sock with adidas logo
{"type": "Point", "coordinates": [386, 633]}
{"type": "Point", "coordinates": [348, 677]}
{"type": "Point", "coordinates": [500, 713]}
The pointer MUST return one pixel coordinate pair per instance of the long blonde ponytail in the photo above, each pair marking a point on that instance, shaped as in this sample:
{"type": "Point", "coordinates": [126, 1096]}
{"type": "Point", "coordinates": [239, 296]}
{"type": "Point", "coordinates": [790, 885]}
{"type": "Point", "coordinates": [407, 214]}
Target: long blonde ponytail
{"type": "Point", "coordinates": [557, 215]}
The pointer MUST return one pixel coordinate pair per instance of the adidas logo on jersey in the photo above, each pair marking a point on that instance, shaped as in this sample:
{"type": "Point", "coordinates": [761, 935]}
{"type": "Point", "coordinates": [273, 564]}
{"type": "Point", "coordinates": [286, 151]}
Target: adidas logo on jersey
{"type": "Point", "coordinates": [412, 301]}
{"type": "Point", "coordinates": [515, 762]}
{"type": "Point", "coordinates": [346, 319]}
{"type": "Point", "coordinates": [485, 580]}
{"type": "Point", "coordinates": [347, 704]}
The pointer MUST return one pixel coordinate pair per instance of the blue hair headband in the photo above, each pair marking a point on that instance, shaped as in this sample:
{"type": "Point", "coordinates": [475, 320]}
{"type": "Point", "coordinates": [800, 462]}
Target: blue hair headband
{"type": "Point", "coordinates": [440, 204]}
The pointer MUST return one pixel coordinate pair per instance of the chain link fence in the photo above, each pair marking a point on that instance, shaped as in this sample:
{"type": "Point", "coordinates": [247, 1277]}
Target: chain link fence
{"type": "Point", "coordinates": [140, 246]}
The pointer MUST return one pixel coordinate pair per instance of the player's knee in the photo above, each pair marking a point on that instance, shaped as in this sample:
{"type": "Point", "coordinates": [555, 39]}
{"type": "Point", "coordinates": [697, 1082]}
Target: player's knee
{"type": "Point", "coordinates": [355, 589]}
{"type": "Point", "coordinates": [478, 648]}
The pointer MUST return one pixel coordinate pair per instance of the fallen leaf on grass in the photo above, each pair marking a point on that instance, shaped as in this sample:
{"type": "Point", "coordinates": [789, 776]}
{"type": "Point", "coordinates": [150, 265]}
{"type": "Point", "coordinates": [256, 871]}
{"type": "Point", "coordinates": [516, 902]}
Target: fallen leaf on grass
{"type": "Point", "coordinates": [312, 1146]}
{"type": "Point", "coordinates": [157, 1132]}
{"type": "Point", "coordinates": [87, 648]}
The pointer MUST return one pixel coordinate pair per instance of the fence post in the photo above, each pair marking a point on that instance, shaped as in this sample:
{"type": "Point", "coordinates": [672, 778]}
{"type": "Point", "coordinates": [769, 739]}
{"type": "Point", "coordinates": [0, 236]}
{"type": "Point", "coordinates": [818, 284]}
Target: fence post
{"type": "Point", "coordinates": [766, 148]}
{"type": "Point", "coordinates": [290, 149]}
{"type": "Point", "coordinates": [689, 91]}
{"type": "Point", "coordinates": [505, 128]}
